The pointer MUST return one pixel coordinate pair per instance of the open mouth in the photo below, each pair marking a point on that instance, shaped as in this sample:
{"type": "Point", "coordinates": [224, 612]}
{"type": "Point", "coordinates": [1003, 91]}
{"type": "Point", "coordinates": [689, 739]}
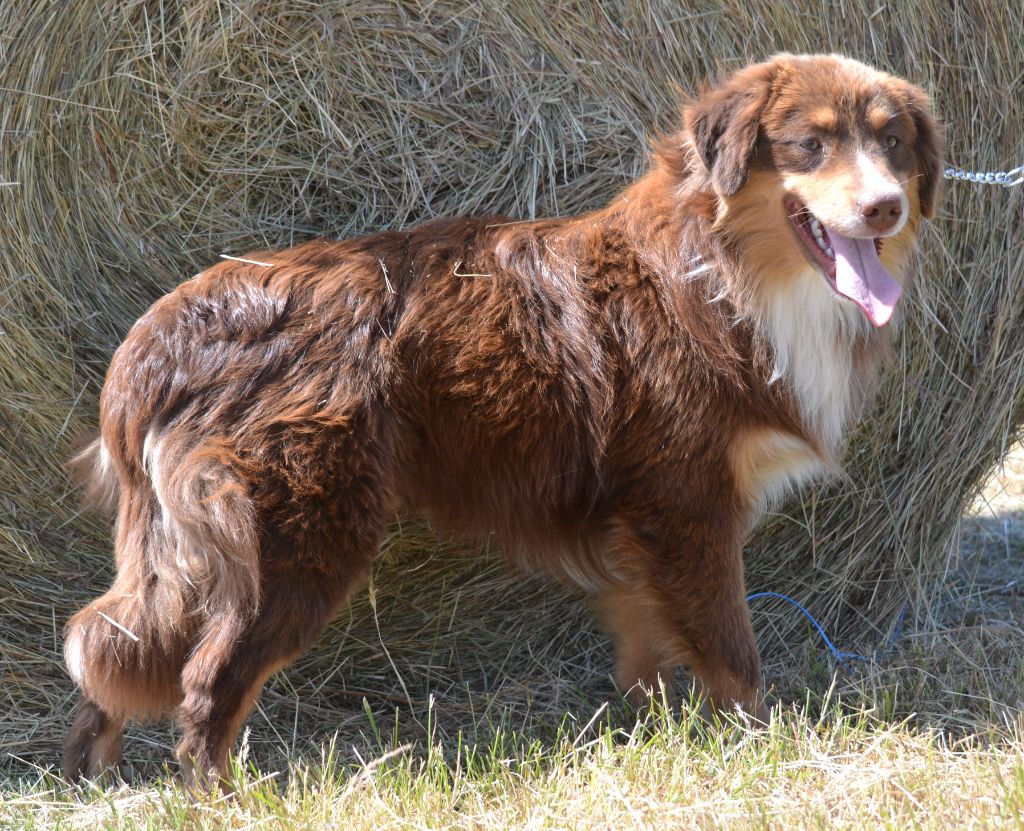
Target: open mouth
{"type": "Point", "coordinates": [851, 265]}
{"type": "Point", "coordinates": [816, 239]}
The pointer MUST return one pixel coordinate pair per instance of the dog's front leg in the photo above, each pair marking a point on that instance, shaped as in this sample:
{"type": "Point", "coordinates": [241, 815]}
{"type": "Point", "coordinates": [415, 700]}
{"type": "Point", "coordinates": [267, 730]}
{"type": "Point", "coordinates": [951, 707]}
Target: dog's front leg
{"type": "Point", "coordinates": [681, 602]}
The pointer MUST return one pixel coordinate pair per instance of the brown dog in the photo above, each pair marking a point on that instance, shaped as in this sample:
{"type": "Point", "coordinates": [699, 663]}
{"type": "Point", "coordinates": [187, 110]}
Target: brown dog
{"type": "Point", "coordinates": [616, 396]}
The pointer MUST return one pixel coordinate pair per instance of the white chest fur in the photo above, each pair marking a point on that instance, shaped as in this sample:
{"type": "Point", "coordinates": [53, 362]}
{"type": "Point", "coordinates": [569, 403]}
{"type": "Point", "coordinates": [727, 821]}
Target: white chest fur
{"type": "Point", "coordinates": [813, 334]}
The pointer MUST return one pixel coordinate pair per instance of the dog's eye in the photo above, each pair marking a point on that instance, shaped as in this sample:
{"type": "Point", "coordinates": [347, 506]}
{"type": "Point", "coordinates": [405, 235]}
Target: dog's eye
{"type": "Point", "coordinates": [891, 142]}
{"type": "Point", "coordinates": [811, 145]}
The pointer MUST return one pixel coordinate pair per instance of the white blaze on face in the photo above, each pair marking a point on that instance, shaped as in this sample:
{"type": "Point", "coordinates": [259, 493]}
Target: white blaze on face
{"type": "Point", "coordinates": [876, 184]}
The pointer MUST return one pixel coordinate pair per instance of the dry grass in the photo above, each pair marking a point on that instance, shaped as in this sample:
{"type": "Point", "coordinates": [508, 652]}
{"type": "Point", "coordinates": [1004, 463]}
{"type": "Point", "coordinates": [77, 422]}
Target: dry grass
{"type": "Point", "coordinates": [147, 138]}
{"type": "Point", "coordinates": [803, 773]}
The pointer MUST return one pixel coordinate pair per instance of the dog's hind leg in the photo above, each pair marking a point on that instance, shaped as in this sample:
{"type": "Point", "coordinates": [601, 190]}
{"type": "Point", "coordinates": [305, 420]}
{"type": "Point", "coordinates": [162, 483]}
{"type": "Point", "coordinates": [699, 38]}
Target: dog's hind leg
{"type": "Point", "coordinates": [125, 650]}
{"type": "Point", "coordinates": [223, 678]}
{"type": "Point", "coordinates": [125, 656]}
{"type": "Point", "coordinates": [94, 742]}
{"type": "Point", "coordinates": [307, 574]}
{"type": "Point", "coordinates": [185, 537]}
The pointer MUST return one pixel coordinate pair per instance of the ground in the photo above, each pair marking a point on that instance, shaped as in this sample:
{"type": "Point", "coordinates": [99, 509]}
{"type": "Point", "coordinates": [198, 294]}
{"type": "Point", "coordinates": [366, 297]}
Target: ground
{"type": "Point", "coordinates": [927, 735]}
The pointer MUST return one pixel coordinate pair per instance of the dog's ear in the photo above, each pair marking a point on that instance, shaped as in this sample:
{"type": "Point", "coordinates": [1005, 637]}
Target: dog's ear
{"type": "Point", "coordinates": [723, 124]}
{"type": "Point", "coordinates": [928, 147]}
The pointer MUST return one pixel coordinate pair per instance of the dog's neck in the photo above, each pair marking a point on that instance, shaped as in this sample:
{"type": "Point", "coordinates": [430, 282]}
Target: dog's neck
{"type": "Point", "coordinates": [808, 342]}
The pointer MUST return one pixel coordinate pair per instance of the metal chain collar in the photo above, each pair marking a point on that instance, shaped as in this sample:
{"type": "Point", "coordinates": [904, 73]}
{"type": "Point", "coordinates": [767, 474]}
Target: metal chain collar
{"type": "Point", "coordinates": [1007, 178]}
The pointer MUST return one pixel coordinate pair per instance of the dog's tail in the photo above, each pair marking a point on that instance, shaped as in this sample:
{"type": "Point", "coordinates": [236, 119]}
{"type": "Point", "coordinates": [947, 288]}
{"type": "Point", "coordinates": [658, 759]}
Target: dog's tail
{"type": "Point", "coordinates": [92, 470]}
{"type": "Point", "coordinates": [187, 562]}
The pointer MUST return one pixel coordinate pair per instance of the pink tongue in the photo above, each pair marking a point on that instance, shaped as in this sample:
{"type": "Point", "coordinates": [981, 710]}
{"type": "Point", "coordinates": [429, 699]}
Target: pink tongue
{"type": "Point", "coordinates": [861, 276]}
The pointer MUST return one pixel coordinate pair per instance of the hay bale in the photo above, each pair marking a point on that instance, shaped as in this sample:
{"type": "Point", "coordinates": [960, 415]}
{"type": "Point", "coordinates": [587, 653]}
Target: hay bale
{"type": "Point", "coordinates": [147, 138]}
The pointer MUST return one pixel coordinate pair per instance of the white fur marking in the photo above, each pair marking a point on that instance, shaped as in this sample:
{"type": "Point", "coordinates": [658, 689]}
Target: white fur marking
{"type": "Point", "coordinates": [187, 516]}
{"type": "Point", "coordinates": [876, 184]}
{"type": "Point", "coordinates": [813, 333]}
{"type": "Point", "coordinates": [151, 451]}
{"type": "Point", "coordinates": [696, 271]}
{"type": "Point", "coordinates": [723, 292]}
{"type": "Point", "coordinates": [74, 657]}
{"type": "Point", "coordinates": [104, 460]}
{"type": "Point", "coordinates": [578, 577]}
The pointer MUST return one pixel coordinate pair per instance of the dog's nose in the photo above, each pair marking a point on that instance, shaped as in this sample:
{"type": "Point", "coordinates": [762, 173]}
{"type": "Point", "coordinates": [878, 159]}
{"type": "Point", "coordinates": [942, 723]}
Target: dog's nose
{"type": "Point", "coordinates": [882, 214]}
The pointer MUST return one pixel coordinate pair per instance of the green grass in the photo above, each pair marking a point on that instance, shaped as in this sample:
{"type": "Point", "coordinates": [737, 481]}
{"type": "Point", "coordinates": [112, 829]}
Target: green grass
{"type": "Point", "coordinates": [832, 768]}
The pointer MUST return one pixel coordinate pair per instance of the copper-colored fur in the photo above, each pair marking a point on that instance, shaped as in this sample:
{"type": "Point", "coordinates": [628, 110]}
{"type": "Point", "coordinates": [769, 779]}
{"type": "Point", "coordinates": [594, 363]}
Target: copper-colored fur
{"type": "Point", "coordinates": [616, 396]}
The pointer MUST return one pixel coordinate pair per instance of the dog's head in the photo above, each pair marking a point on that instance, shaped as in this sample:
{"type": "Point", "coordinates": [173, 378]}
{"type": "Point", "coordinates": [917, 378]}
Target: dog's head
{"type": "Point", "coordinates": [820, 160]}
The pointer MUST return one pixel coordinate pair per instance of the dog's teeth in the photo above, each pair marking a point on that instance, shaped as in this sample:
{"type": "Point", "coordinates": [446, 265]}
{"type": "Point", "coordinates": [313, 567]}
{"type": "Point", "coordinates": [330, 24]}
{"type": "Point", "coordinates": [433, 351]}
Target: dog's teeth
{"type": "Point", "coordinates": [818, 232]}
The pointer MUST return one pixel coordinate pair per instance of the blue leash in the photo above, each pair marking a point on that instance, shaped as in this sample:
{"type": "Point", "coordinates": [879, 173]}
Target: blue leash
{"type": "Point", "coordinates": [839, 655]}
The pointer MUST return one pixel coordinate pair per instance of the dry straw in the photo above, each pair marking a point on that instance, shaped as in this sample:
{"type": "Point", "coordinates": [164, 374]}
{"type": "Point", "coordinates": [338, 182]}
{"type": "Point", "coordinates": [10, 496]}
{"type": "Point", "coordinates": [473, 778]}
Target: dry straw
{"type": "Point", "coordinates": [147, 138]}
